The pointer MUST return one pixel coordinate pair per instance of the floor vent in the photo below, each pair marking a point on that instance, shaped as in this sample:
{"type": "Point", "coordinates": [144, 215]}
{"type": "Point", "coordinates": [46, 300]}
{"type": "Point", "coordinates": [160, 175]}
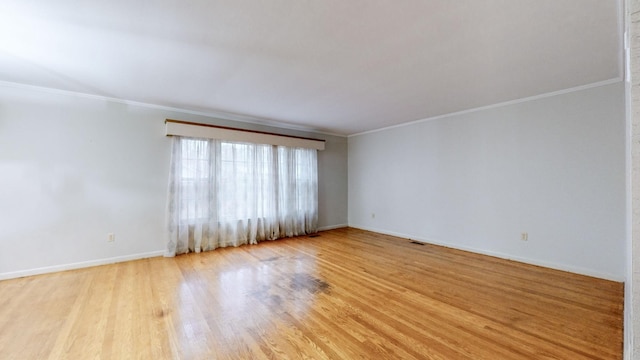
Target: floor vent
{"type": "Point", "coordinates": [314, 235]}
{"type": "Point", "coordinates": [416, 242]}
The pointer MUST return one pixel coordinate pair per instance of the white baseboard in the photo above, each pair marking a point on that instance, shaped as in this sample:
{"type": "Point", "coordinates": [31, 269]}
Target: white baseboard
{"type": "Point", "coordinates": [78, 265]}
{"type": "Point", "coordinates": [117, 259]}
{"type": "Point", "coordinates": [84, 264]}
{"type": "Point", "coordinates": [331, 227]}
{"type": "Point", "coordinates": [562, 267]}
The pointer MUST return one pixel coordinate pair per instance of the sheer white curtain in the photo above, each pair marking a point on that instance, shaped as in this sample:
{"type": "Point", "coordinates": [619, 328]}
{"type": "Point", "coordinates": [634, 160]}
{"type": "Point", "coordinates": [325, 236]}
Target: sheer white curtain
{"type": "Point", "coordinates": [228, 194]}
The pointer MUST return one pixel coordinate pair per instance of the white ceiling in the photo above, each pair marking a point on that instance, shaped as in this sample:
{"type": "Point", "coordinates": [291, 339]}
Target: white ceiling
{"type": "Point", "coordinates": [334, 66]}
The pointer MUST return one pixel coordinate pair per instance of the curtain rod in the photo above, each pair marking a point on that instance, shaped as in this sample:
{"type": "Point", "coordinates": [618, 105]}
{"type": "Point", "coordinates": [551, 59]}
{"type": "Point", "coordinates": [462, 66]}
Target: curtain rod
{"type": "Point", "coordinates": [237, 129]}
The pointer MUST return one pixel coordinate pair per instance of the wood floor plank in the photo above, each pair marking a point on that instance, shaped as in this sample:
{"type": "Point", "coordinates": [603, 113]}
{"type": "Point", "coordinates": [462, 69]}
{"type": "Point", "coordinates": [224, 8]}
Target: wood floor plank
{"type": "Point", "coordinates": [523, 312]}
{"type": "Point", "coordinates": [438, 322]}
{"type": "Point", "coordinates": [346, 294]}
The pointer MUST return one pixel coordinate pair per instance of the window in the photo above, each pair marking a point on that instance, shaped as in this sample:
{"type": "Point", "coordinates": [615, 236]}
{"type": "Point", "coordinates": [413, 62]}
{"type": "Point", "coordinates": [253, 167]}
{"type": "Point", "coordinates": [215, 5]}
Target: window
{"type": "Point", "coordinates": [194, 178]}
{"type": "Point", "coordinates": [230, 193]}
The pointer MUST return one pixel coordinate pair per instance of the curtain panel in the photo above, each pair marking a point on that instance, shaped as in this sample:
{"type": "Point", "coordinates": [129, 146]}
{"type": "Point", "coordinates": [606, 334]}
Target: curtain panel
{"type": "Point", "coordinates": [228, 194]}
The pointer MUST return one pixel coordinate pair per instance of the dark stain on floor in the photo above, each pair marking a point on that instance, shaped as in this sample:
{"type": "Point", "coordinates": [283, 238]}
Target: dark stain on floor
{"type": "Point", "coordinates": [273, 258]}
{"type": "Point", "coordinates": [310, 283]}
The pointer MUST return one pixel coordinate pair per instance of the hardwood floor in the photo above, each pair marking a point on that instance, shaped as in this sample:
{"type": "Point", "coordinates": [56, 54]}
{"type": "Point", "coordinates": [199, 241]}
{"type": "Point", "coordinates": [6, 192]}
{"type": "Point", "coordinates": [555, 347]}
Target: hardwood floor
{"type": "Point", "coordinates": [346, 294]}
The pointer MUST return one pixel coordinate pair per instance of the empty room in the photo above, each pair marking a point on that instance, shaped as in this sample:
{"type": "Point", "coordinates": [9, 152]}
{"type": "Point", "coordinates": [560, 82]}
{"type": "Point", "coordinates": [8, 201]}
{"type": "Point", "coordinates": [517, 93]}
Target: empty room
{"type": "Point", "coordinates": [320, 179]}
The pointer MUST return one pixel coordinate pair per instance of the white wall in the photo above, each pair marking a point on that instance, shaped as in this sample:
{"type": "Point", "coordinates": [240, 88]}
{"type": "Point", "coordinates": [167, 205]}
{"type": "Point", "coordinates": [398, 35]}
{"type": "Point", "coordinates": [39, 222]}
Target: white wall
{"type": "Point", "coordinates": [553, 167]}
{"type": "Point", "coordinates": [73, 169]}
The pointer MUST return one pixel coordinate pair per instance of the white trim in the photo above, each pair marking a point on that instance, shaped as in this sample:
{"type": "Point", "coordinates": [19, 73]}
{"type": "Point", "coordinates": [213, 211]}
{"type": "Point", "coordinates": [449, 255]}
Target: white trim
{"type": "Point", "coordinates": [506, 103]}
{"type": "Point", "coordinates": [78, 265]}
{"type": "Point", "coordinates": [550, 265]}
{"type": "Point", "coordinates": [276, 124]}
{"type": "Point", "coordinates": [223, 115]}
{"type": "Point", "coordinates": [628, 324]}
{"type": "Point", "coordinates": [332, 227]}
{"type": "Point", "coordinates": [209, 132]}
{"type": "Point", "coordinates": [113, 260]}
{"type": "Point", "coordinates": [622, 29]}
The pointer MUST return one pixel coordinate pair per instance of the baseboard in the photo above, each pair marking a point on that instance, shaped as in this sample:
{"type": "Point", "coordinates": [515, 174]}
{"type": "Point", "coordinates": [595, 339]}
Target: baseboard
{"type": "Point", "coordinates": [331, 227]}
{"type": "Point", "coordinates": [117, 259]}
{"type": "Point", "coordinates": [78, 265]}
{"type": "Point", "coordinates": [550, 265]}
{"type": "Point", "coordinates": [84, 264]}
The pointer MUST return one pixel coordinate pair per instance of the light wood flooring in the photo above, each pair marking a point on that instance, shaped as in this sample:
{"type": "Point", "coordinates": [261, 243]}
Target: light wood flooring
{"type": "Point", "coordinates": [347, 294]}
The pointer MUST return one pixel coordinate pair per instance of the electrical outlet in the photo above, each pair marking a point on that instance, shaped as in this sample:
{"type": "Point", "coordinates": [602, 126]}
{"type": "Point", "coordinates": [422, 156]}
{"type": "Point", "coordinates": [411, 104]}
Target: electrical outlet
{"type": "Point", "coordinates": [111, 237]}
{"type": "Point", "coordinates": [524, 236]}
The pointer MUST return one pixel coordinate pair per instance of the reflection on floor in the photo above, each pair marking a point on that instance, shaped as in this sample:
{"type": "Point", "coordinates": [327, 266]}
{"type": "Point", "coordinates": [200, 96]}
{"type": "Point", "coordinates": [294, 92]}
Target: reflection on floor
{"type": "Point", "coordinates": [343, 295]}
